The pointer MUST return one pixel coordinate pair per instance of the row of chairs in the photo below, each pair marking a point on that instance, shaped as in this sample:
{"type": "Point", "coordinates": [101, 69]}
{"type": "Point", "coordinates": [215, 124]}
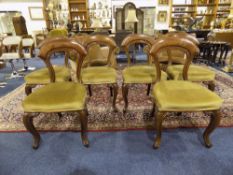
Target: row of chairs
{"type": "Point", "coordinates": [17, 48]}
{"type": "Point", "coordinates": [178, 95]}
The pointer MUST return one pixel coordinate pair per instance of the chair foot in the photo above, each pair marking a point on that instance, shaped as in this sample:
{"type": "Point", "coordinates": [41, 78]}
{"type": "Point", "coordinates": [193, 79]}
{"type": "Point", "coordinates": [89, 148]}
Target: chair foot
{"type": "Point", "coordinates": [83, 121]}
{"type": "Point", "coordinates": [156, 144]}
{"type": "Point", "coordinates": [211, 85]}
{"type": "Point", "coordinates": [28, 123]}
{"type": "Point", "coordinates": [28, 89]}
{"type": "Point", "coordinates": [214, 122]}
{"type": "Point", "coordinates": [25, 69]}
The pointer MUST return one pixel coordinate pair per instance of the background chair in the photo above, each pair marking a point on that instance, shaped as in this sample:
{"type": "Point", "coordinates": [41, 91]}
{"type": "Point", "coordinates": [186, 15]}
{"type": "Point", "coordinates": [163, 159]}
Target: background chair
{"type": "Point", "coordinates": [57, 96]}
{"type": "Point", "coordinates": [103, 73]}
{"type": "Point", "coordinates": [196, 73]}
{"type": "Point", "coordinates": [12, 51]}
{"type": "Point", "coordinates": [41, 76]}
{"type": "Point", "coordinates": [138, 74]}
{"type": "Point", "coordinates": [28, 48]}
{"type": "Point", "coordinates": [182, 95]}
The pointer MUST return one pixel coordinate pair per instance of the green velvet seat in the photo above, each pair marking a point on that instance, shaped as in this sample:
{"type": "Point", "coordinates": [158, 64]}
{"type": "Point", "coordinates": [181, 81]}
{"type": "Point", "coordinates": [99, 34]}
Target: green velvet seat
{"type": "Point", "coordinates": [46, 98]}
{"type": "Point", "coordinates": [41, 76]}
{"type": "Point", "coordinates": [180, 96]}
{"type": "Point", "coordinates": [141, 74]}
{"type": "Point", "coordinates": [195, 73]}
{"type": "Point", "coordinates": [58, 32]}
{"type": "Point", "coordinates": [99, 75]}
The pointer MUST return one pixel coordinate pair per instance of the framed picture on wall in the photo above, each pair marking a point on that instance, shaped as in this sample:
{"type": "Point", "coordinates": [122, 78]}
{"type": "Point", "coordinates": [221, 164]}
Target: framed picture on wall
{"type": "Point", "coordinates": [162, 16]}
{"type": "Point", "coordinates": [163, 2]}
{"type": "Point", "coordinates": [36, 13]}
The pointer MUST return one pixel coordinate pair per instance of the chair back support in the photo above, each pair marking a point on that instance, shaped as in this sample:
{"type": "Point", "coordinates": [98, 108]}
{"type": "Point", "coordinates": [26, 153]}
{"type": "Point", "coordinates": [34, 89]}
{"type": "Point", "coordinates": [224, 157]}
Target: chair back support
{"type": "Point", "coordinates": [58, 33]}
{"type": "Point", "coordinates": [102, 40]}
{"type": "Point", "coordinates": [137, 39]}
{"type": "Point", "coordinates": [61, 45]}
{"type": "Point", "coordinates": [174, 43]}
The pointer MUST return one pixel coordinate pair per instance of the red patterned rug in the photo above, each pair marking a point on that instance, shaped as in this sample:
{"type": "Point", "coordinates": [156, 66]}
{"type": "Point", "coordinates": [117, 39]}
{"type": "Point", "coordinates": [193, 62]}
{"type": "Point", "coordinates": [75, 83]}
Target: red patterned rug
{"type": "Point", "coordinates": [101, 116]}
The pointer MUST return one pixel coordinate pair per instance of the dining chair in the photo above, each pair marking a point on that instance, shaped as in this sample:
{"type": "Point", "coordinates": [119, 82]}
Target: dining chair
{"type": "Point", "coordinates": [138, 73]}
{"type": "Point", "coordinates": [12, 50]}
{"type": "Point", "coordinates": [104, 73]}
{"type": "Point", "coordinates": [196, 72]}
{"type": "Point", "coordinates": [182, 95]}
{"type": "Point", "coordinates": [41, 76]}
{"type": "Point", "coordinates": [57, 97]}
{"type": "Point", "coordinates": [28, 49]}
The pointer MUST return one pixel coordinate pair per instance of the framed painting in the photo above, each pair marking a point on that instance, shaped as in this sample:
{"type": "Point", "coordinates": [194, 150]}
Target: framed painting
{"type": "Point", "coordinates": [162, 16]}
{"type": "Point", "coordinates": [36, 13]}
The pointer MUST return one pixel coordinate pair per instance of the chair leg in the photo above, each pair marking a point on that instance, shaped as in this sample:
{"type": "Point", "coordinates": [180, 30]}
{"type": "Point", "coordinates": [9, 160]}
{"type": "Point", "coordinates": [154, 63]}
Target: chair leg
{"type": "Point", "coordinates": [83, 121]}
{"type": "Point", "coordinates": [115, 92]}
{"type": "Point", "coordinates": [125, 90]}
{"type": "Point", "coordinates": [111, 89]}
{"type": "Point", "coordinates": [159, 119]}
{"type": "Point", "coordinates": [214, 122]}
{"type": "Point", "coordinates": [28, 89]}
{"type": "Point", "coordinates": [211, 85]}
{"type": "Point", "coordinates": [89, 89]}
{"type": "Point", "coordinates": [148, 89]}
{"type": "Point", "coordinates": [28, 123]}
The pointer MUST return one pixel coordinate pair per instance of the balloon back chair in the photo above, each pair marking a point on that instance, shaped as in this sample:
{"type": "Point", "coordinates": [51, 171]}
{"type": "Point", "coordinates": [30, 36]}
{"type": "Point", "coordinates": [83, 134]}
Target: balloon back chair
{"type": "Point", "coordinates": [41, 76]}
{"type": "Point", "coordinates": [28, 48]}
{"type": "Point", "coordinates": [12, 51]}
{"type": "Point", "coordinates": [104, 73]}
{"type": "Point", "coordinates": [57, 96]}
{"type": "Point", "coordinates": [138, 74]}
{"type": "Point", "coordinates": [182, 95]}
{"type": "Point", "coordinates": [196, 73]}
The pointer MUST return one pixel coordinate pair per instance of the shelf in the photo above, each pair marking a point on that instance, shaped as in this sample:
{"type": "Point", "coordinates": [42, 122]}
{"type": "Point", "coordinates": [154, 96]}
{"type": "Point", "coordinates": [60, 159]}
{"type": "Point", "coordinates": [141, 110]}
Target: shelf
{"type": "Point", "coordinates": [81, 20]}
{"type": "Point", "coordinates": [80, 11]}
{"type": "Point", "coordinates": [206, 5]}
{"type": "Point", "coordinates": [224, 11]}
{"type": "Point", "coordinates": [205, 14]}
{"type": "Point", "coordinates": [225, 4]}
{"type": "Point", "coordinates": [183, 11]}
{"type": "Point", "coordinates": [79, 2]}
{"type": "Point", "coordinates": [184, 5]}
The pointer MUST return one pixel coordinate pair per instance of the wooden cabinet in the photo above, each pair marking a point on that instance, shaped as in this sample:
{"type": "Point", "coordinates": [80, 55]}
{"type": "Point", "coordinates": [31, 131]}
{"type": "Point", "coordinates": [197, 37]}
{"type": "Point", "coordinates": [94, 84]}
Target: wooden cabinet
{"type": "Point", "coordinates": [208, 11]}
{"type": "Point", "coordinates": [79, 12]}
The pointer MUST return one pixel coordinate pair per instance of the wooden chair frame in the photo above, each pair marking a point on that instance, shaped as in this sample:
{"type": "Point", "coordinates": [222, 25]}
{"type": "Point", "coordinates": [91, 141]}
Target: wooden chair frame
{"type": "Point", "coordinates": [126, 43]}
{"type": "Point", "coordinates": [191, 51]}
{"type": "Point", "coordinates": [113, 49]}
{"type": "Point", "coordinates": [47, 49]}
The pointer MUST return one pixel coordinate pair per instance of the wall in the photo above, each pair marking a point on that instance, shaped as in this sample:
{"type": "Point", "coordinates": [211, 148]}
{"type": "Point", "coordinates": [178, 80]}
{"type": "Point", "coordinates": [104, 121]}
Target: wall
{"type": "Point", "coordinates": [22, 6]}
{"type": "Point", "coordinates": [146, 3]}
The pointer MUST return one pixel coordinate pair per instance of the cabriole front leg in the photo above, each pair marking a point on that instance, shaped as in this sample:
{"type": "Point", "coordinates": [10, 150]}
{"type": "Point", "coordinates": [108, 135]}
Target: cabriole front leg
{"type": "Point", "coordinates": [115, 92]}
{"type": "Point", "coordinates": [214, 122]}
{"type": "Point", "coordinates": [125, 96]}
{"type": "Point", "coordinates": [28, 123]}
{"type": "Point", "coordinates": [158, 120]}
{"type": "Point", "coordinates": [83, 121]}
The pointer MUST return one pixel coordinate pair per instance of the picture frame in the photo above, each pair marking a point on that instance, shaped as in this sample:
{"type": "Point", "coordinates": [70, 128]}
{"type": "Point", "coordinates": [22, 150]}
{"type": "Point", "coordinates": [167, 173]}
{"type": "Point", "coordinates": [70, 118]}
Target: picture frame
{"type": "Point", "coordinates": [163, 2]}
{"type": "Point", "coordinates": [162, 16]}
{"type": "Point", "coordinates": [36, 13]}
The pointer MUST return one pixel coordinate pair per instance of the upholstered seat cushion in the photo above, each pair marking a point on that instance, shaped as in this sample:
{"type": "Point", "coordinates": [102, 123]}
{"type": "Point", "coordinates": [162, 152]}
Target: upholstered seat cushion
{"type": "Point", "coordinates": [195, 73]}
{"type": "Point", "coordinates": [178, 95]}
{"type": "Point", "coordinates": [99, 75]}
{"type": "Point", "coordinates": [56, 97]}
{"type": "Point", "coordinates": [141, 74]}
{"type": "Point", "coordinates": [9, 56]}
{"type": "Point", "coordinates": [41, 76]}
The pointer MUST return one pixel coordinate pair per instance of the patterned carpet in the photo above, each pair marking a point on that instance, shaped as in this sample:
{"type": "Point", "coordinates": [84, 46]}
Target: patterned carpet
{"type": "Point", "coordinates": [101, 116]}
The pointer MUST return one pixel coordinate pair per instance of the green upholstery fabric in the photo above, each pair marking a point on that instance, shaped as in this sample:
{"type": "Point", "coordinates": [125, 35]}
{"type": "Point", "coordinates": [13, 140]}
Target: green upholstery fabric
{"type": "Point", "coordinates": [141, 74]}
{"type": "Point", "coordinates": [41, 76]}
{"type": "Point", "coordinates": [58, 33]}
{"type": "Point", "coordinates": [195, 73]}
{"type": "Point", "coordinates": [181, 95]}
{"type": "Point", "coordinates": [99, 75]}
{"type": "Point", "coordinates": [56, 97]}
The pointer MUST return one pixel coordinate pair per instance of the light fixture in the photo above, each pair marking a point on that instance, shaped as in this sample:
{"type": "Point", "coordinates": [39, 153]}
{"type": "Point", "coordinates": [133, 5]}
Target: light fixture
{"type": "Point", "coordinates": [131, 18]}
